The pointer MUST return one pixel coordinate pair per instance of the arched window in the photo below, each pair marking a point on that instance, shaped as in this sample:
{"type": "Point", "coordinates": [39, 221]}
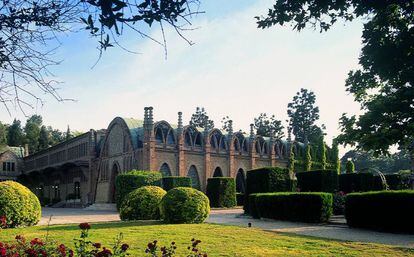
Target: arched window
{"type": "Point", "coordinates": [56, 191]}
{"type": "Point", "coordinates": [257, 147]}
{"type": "Point", "coordinates": [193, 174]}
{"type": "Point", "coordinates": [77, 190]}
{"type": "Point", "coordinates": [197, 141]}
{"type": "Point", "coordinates": [223, 144]}
{"type": "Point", "coordinates": [240, 181]}
{"type": "Point", "coordinates": [170, 140]}
{"type": "Point", "coordinates": [188, 140]}
{"type": "Point", "coordinates": [265, 149]}
{"type": "Point", "coordinates": [165, 170]}
{"type": "Point", "coordinates": [236, 145]}
{"type": "Point", "coordinates": [159, 137]}
{"type": "Point", "coordinates": [218, 172]}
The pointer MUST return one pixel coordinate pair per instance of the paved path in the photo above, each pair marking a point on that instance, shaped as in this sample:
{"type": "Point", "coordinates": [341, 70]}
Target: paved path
{"type": "Point", "coordinates": [235, 217]}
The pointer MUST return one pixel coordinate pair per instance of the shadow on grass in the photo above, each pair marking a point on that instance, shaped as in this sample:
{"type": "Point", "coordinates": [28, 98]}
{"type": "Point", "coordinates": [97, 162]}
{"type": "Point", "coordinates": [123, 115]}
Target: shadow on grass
{"type": "Point", "coordinates": [106, 225]}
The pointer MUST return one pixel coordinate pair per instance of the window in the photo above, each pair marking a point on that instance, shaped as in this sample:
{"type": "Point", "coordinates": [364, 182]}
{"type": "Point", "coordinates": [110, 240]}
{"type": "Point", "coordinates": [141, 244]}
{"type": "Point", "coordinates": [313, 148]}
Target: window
{"type": "Point", "coordinates": [77, 190]}
{"type": "Point", "coordinates": [9, 166]}
{"type": "Point", "coordinates": [4, 166]}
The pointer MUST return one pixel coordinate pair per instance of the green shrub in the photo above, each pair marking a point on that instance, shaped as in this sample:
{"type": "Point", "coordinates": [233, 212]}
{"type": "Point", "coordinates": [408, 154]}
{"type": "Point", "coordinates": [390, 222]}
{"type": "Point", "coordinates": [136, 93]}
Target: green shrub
{"type": "Point", "coordinates": [356, 182]}
{"type": "Point", "coordinates": [391, 211]}
{"type": "Point", "coordinates": [318, 181]}
{"type": "Point", "coordinates": [221, 192]}
{"type": "Point", "coordinates": [396, 181]}
{"type": "Point", "coordinates": [184, 205]}
{"type": "Point", "coordinates": [173, 182]}
{"type": "Point", "coordinates": [18, 204]}
{"type": "Point", "coordinates": [127, 182]}
{"type": "Point", "coordinates": [239, 199]}
{"type": "Point", "coordinates": [142, 204]}
{"type": "Point", "coordinates": [303, 207]}
{"type": "Point", "coordinates": [350, 167]}
{"type": "Point", "coordinates": [253, 211]}
{"type": "Point", "coordinates": [268, 179]}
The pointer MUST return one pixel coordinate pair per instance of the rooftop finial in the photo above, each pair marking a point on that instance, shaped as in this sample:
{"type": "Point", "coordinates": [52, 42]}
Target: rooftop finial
{"type": "Point", "coordinates": [145, 115]}
{"type": "Point", "coordinates": [180, 120]}
{"type": "Point", "coordinates": [252, 130]}
{"type": "Point", "coordinates": [230, 127]}
{"type": "Point", "coordinates": [150, 115]}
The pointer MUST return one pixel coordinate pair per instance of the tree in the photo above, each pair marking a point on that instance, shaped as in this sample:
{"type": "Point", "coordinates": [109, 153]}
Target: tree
{"type": "Point", "coordinates": [335, 152]}
{"type": "Point", "coordinates": [32, 132]}
{"type": "Point", "coordinates": [350, 167]}
{"type": "Point", "coordinates": [43, 138]}
{"type": "Point", "coordinates": [200, 119]}
{"type": "Point", "coordinates": [268, 126]}
{"type": "Point", "coordinates": [56, 136]}
{"type": "Point", "coordinates": [3, 134]}
{"type": "Point", "coordinates": [384, 82]}
{"type": "Point", "coordinates": [68, 134]}
{"type": "Point", "coordinates": [15, 136]}
{"type": "Point", "coordinates": [303, 114]}
{"type": "Point", "coordinates": [308, 158]}
{"type": "Point", "coordinates": [30, 33]}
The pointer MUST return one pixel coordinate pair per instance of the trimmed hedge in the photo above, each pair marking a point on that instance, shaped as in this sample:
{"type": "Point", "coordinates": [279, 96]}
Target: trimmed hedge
{"type": "Point", "coordinates": [356, 182]}
{"type": "Point", "coordinates": [391, 211]}
{"type": "Point", "coordinates": [318, 181]}
{"type": "Point", "coordinates": [267, 179]}
{"type": "Point", "coordinates": [19, 205]}
{"type": "Point", "coordinates": [184, 205]}
{"type": "Point", "coordinates": [239, 199]}
{"type": "Point", "coordinates": [173, 182]}
{"type": "Point", "coordinates": [142, 204]}
{"type": "Point", "coordinates": [127, 182]}
{"type": "Point", "coordinates": [303, 207]}
{"type": "Point", "coordinates": [395, 181]}
{"type": "Point", "coordinates": [221, 191]}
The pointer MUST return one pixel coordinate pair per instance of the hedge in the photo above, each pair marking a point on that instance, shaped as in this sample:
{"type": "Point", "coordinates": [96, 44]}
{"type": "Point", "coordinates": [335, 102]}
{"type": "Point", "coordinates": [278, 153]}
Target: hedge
{"type": "Point", "coordinates": [395, 181]}
{"type": "Point", "coordinates": [184, 205]}
{"type": "Point", "coordinates": [356, 182]}
{"type": "Point", "coordinates": [391, 211]}
{"type": "Point", "coordinates": [303, 207]}
{"type": "Point", "coordinates": [129, 181]}
{"type": "Point", "coordinates": [239, 199]}
{"type": "Point", "coordinates": [318, 181]}
{"type": "Point", "coordinates": [221, 191]}
{"type": "Point", "coordinates": [173, 182]}
{"type": "Point", "coordinates": [142, 204]}
{"type": "Point", "coordinates": [19, 205]}
{"type": "Point", "coordinates": [267, 179]}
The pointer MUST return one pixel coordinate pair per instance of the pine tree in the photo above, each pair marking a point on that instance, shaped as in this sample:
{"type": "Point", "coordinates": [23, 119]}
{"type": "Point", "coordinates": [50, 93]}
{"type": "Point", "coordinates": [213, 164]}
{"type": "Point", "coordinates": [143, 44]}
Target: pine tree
{"type": "Point", "coordinates": [291, 166]}
{"type": "Point", "coordinates": [43, 138]}
{"type": "Point", "coordinates": [15, 136]}
{"type": "Point", "coordinates": [308, 158]}
{"type": "Point", "coordinates": [3, 134]}
{"type": "Point", "coordinates": [68, 134]}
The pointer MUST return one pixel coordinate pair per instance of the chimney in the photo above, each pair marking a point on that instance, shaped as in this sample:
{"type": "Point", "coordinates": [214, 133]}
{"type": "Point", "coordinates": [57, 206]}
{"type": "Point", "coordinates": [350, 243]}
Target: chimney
{"type": "Point", "coordinates": [150, 116]}
{"type": "Point", "coordinates": [251, 130]}
{"type": "Point", "coordinates": [145, 116]}
{"type": "Point", "coordinates": [230, 127]}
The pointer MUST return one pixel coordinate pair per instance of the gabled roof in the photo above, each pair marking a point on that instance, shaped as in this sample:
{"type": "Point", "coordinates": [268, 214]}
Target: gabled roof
{"type": "Point", "coordinates": [17, 150]}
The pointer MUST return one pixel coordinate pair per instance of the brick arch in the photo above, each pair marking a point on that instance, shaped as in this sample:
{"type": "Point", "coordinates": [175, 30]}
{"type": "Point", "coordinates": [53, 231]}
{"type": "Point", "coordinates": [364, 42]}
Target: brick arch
{"type": "Point", "coordinates": [194, 174]}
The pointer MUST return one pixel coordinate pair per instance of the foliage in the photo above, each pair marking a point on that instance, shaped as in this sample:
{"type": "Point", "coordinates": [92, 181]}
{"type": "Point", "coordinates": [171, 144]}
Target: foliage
{"type": "Point", "coordinates": [31, 31]}
{"type": "Point", "coordinates": [397, 181]}
{"type": "Point", "coordinates": [32, 132]}
{"type": "Point", "coordinates": [335, 153]}
{"type": "Point", "coordinates": [291, 165]}
{"type": "Point", "coordinates": [267, 179]}
{"type": "Point", "coordinates": [383, 210]}
{"type": "Point", "coordinates": [350, 167]}
{"type": "Point", "coordinates": [142, 204]}
{"type": "Point", "coordinates": [318, 181]}
{"type": "Point", "coordinates": [134, 179]}
{"type": "Point", "coordinates": [173, 182]}
{"type": "Point", "coordinates": [356, 182]}
{"type": "Point", "coordinates": [200, 119]}
{"type": "Point", "coordinates": [303, 207]}
{"type": "Point", "coordinates": [15, 136]}
{"type": "Point", "coordinates": [43, 138]}
{"type": "Point", "coordinates": [268, 126]}
{"type": "Point", "coordinates": [18, 204]}
{"type": "Point", "coordinates": [184, 205]}
{"type": "Point", "coordinates": [193, 250]}
{"type": "Point", "coordinates": [221, 192]}
{"type": "Point", "coordinates": [3, 134]}
{"type": "Point", "coordinates": [227, 124]}
{"type": "Point", "coordinates": [303, 115]}
{"type": "Point", "coordinates": [338, 203]}
{"type": "Point", "coordinates": [308, 158]}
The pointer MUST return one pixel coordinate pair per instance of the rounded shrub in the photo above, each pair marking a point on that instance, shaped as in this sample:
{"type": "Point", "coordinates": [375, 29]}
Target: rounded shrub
{"type": "Point", "coordinates": [142, 204]}
{"type": "Point", "coordinates": [18, 205]}
{"type": "Point", "coordinates": [185, 205]}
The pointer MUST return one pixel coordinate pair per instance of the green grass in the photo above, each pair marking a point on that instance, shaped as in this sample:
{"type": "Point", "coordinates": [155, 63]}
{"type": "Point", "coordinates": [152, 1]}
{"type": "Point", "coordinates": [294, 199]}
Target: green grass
{"type": "Point", "coordinates": [217, 240]}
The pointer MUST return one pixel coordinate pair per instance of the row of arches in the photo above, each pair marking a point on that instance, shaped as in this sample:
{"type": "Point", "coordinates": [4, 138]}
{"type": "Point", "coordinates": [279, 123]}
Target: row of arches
{"type": "Point", "coordinates": [195, 178]}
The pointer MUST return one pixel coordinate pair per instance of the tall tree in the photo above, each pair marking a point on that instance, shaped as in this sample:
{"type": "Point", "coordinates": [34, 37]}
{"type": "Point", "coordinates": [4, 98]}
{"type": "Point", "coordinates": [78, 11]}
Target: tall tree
{"type": "Point", "coordinates": [44, 138]}
{"type": "Point", "coordinates": [56, 136]}
{"type": "Point", "coordinates": [384, 82]}
{"type": "Point", "coordinates": [15, 136]}
{"type": "Point", "coordinates": [200, 119]}
{"type": "Point", "coordinates": [3, 134]}
{"type": "Point", "coordinates": [303, 115]}
{"type": "Point", "coordinates": [68, 134]}
{"type": "Point", "coordinates": [268, 126]}
{"type": "Point", "coordinates": [30, 33]}
{"type": "Point", "coordinates": [32, 132]}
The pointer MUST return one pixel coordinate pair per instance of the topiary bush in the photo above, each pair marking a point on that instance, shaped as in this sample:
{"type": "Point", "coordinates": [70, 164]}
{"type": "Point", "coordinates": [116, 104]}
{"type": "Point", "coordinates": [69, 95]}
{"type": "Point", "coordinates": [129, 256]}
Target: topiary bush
{"type": "Point", "coordinates": [221, 191]}
{"type": "Point", "coordinates": [267, 179]}
{"type": "Point", "coordinates": [127, 182]}
{"type": "Point", "coordinates": [185, 205]}
{"type": "Point", "coordinates": [391, 211]}
{"type": "Point", "coordinates": [173, 182]}
{"type": "Point", "coordinates": [303, 207]}
{"type": "Point", "coordinates": [356, 182]}
{"type": "Point", "coordinates": [350, 167]}
{"type": "Point", "coordinates": [318, 181]}
{"type": "Point", "coordinates": [18, 205]}
{"type": "Point", "coordinates": [142, 204]}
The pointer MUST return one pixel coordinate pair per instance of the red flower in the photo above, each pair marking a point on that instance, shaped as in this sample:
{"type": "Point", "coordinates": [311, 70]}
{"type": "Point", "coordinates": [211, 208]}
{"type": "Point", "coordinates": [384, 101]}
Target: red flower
{"type": "Point", "coordinates": [84, 226]}
{"type": "Point", "coordinates": [3, 222]}
{"type": "Point", "coordinates": [97, 245]}
{"type": "Point", "coordinates": [3, 252]}
{"type": "Point", "coordinates": [37, 241]}
{"type": "Point", "coordinates": [124, 247]}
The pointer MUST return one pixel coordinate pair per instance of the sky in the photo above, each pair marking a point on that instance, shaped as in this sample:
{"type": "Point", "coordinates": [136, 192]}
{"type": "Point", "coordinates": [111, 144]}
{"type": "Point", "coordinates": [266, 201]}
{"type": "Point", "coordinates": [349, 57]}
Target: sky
{"type": "Point", "coordinates": [234, 69]}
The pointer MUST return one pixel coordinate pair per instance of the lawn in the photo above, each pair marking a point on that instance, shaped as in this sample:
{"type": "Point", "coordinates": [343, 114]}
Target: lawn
{"type": "Point", "coordinates": [217, 240]}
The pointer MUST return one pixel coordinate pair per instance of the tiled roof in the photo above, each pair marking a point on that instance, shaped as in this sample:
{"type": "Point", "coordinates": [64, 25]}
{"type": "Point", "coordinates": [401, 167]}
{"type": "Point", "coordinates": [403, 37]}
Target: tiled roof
{"type": "Point", "coordinates": [17, 150]}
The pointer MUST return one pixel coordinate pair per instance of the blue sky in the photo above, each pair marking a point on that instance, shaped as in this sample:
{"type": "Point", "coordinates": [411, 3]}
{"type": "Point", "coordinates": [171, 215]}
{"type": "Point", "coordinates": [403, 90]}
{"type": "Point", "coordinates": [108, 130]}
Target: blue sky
{"type": "Point", "coordinates": [233, 69]}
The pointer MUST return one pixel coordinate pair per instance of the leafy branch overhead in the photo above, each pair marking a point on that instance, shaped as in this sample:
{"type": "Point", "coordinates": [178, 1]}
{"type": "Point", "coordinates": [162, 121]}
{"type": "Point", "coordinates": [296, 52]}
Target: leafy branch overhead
{"type": "Point", "coordinates": [384, 82]}
{"type": "Point", "coordinates": [30, 31]}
